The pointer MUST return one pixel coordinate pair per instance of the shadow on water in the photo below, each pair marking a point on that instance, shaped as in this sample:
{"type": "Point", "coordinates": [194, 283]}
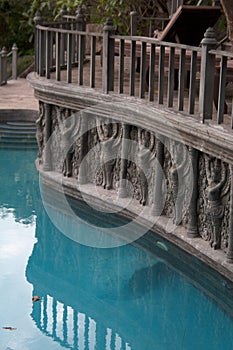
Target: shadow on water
{"type": "Point", "coordinates": [146, 279]}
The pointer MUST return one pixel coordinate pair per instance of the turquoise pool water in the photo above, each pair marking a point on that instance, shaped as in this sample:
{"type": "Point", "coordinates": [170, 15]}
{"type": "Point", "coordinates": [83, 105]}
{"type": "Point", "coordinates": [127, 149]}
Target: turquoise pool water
{"type": "Point", "coordinates": [97, 299]}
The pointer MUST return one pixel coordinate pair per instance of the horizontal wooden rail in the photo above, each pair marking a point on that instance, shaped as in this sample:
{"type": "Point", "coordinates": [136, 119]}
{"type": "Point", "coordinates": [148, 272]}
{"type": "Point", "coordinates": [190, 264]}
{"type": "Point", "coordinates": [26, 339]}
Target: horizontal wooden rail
{"type": "Point", "coordinates": [67, 31]}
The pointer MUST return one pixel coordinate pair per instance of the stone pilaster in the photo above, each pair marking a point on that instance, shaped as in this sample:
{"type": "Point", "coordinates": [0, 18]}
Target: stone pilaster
{"type": "Point", "coordinates": [157, 205]}
{"type": "Point", "coordinates": [124, 158]}
{"type": "Point", "coordinates": [192, 230]}
{"type": "Point", "coordinates": [47, 134]}
{"type": "Point", "coordinates": [230, 236]}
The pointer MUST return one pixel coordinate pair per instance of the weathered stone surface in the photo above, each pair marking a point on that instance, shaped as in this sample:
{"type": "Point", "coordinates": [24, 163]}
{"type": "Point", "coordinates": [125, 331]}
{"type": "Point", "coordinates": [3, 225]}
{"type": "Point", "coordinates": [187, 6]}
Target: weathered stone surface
{"type": "Point", "coordinates": [208, 138]}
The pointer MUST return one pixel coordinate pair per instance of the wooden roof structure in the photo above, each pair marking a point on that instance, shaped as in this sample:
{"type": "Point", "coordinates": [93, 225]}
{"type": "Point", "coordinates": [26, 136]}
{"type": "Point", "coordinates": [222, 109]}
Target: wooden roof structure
{"type": "Point", "coordinates": [189, 23]}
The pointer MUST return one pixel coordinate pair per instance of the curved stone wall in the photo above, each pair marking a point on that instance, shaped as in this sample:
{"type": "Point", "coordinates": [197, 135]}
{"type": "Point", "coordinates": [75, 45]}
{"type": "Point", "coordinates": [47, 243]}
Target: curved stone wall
{"type": "Point", "coordinates": [170, 166]}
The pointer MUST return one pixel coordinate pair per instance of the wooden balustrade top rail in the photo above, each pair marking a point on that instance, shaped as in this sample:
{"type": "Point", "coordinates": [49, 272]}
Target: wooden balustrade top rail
{"type": "Point", "coordinates": [139, 40]}
{"type": "Point", "coordinates": [67, 31]}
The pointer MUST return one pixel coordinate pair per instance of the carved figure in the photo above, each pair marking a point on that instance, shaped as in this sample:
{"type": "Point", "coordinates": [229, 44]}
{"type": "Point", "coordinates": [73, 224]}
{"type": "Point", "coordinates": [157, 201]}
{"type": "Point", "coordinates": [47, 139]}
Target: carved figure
{"type": "Point", "coordinates": [68, 129]}
{"type": "Point", "coordinates": [40, 123]}
{"type": "Point", "coordinates": [217, 178]}
{"type": "Point", "coordinates": [178, 173]}
{"type": "Point", "coordinates": [107, 133]}
{"type": "Point", "coordinates": [146, 143]}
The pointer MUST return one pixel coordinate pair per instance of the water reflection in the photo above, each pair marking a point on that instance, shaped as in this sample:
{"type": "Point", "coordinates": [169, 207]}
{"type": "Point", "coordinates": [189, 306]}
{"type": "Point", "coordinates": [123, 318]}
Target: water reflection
{"type": "Point", "coordinates": [19, 191]}
{"type": "Point", "coordinates": [85, 290]}
{"type": "Point", "coordinates": [113, 299]}
{"type": "Point", "coordinates": [117, 298]}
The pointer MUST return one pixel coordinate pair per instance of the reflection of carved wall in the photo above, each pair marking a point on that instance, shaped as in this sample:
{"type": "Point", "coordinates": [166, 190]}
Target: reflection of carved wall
{"type": "Point", "coordinates": [100, 144]}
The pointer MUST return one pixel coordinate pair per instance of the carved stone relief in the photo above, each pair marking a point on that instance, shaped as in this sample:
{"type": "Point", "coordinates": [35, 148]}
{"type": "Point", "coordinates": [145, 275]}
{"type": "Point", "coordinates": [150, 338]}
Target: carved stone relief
{"type": "Point", "coordinates": [168, 206]}
{"type": "Point", "coordinates": [40, 124]}
{"type": "Point", "coordinates": [133, 183]}
{"type": "Point", "coordinates": [180, 177]}
{"type": "Point", "coordinates": [203, 224]}
{"type": "Point", "coordinates": [146, 164]}
{"type": "Point", "coordinates": [94, 173]}
{"type": "Point", "coordinates": [56, 140]}
{"type": "Point", "coordinates": [107, 153]}
{"type": "Point", "coordinates": [213, 208]}
{"type": "Point", "coordinates": [217, 188]}
{"type": "Point", "coordinates": [76, 158]}
{"type": "Point", "coordinates": [110, 139]}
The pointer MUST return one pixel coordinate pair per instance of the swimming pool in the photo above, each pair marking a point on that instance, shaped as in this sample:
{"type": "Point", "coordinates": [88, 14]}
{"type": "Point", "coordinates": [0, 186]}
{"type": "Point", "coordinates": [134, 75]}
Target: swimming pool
{"type": "Point", "coordinates": [90, 298]}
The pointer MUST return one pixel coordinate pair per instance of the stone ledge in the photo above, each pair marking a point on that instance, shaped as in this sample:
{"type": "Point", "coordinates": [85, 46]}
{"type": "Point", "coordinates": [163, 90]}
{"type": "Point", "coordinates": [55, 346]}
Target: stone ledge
{"type": "Point", "coordinates": [18, 115]}
{"type": "Point", "coordinates": [209, 138]}
{"type": "Point", "coordinates": [196, 247]}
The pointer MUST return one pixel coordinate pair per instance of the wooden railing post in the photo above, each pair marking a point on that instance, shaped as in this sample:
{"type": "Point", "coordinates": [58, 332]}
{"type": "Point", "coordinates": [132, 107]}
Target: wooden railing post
{"type": "Point", "coordinates": [3, 66]}
{"type": "Point", "coordinates": [47, 134]}
{"type": "Point", "coordinates": [81, 44]}
{"type": "Point", "coordinates": [37, 20]}
{"type": "Point", "coordinates": [133, 23]}
{"type": "Point", "coordinates": [108, 57]}
{"type": "Point", "coordinates": [207, 75]}
{"type": "Point", "coordinates": [64, 10]}
{"type": "Point", "coordinates": [81, 25]}
{"type": "Point", "coordinates": [63, 36]}
{"type": "Point", "coordinates": [14, 61]}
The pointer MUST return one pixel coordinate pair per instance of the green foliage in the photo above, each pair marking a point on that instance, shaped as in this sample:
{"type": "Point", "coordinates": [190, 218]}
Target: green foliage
{"type": "Point", "coordinates": [23, 63]}
{"type": "Point", "coordinates": [118, 10]}
{"type": "Point", "coordinates": [70, 4]}
{"type": "Point", "coordinates": [17, 17]}
{"type": "Point", "coordinates": [12, 23]}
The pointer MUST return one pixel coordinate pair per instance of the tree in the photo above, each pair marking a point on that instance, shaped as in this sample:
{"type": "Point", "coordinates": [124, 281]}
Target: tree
{"type": "Point", "coordinates": [12, 23]}
{"type": "Point", "coordinates": [17, 16]}
{"type": "Point", "coordinates": [119, 10]}
{"type": "Point", "coordinates": [227, 6]}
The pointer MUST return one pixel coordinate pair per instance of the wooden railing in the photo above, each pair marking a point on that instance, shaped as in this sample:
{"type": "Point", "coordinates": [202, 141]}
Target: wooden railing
{"type": "Point", "coordinates": [166, 74]}
{"type": "Point", "coordinates": [3, 64]}
{"type": "Point", "coordinates": [223, 75]}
